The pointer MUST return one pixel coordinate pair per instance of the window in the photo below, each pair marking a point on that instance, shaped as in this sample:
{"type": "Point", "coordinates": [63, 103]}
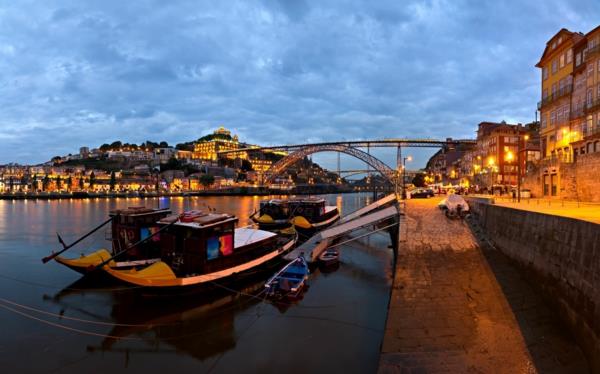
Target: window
{"type": "Point", "coordinates": [544, 120]}
{"type": "Point", "coordinates": [545, 72]}
{"type": "Point", "coordinates": [578, 59]}
{"type": "Point", "coordinates": [554, 66]}
{"type": "Point", "coordinates": [562, 60]}
{"type": "Point", "coordinates": [554, 88]}
{"type": "Point", "coordinates": [566, 112]}
{"type": "Point", "coordinates": [545, 93]}
{"type": "Point", "coordinates": [552, 117]}
{"type": "Point", "coordinates": [590, 71]}
{"type": "Point", "coordinates": [559, 115]}
{"type": "Point", "coordinates": [590, 94]}
{"type": "Point", "coordinates": [569, 56]}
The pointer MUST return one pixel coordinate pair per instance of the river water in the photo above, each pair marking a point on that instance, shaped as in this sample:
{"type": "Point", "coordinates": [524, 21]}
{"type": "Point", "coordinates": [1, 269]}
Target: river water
{"type": "Point", "coordinates": [50, 322]}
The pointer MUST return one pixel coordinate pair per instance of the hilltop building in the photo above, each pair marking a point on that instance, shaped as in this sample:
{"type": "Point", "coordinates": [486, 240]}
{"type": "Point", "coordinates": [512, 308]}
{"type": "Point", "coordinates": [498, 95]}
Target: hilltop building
{"type": "Point", "coordinates": [207, 147]}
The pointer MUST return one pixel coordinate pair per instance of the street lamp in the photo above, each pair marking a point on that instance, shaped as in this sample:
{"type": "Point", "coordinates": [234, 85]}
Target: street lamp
{"type": "Point", "coordinates": [404, 159]}
{"type": "Point", "coordinates": [526, 138]}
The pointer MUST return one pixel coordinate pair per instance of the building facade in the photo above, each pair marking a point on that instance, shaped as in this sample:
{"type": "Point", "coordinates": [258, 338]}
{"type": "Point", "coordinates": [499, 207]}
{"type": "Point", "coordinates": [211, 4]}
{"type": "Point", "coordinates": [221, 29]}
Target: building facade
{"type": "Point", "coordinates": [570, 105]}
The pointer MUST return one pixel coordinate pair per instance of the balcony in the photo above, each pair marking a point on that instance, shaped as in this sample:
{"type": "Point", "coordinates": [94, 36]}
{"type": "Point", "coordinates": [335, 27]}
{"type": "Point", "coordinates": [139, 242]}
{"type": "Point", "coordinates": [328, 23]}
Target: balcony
{"type": "Point", "coordinates": [578, 113]}
{"type": "Point", "coordinates": [592, 51]}
{"type": "Point", "coordinates": [592, 106]}
{"type": "Point", "coordinates": [566, 90]}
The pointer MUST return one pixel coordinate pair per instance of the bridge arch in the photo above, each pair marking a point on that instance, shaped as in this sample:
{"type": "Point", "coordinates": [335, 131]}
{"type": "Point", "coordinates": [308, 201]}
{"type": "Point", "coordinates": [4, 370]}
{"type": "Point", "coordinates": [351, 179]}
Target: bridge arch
{"type": "Point", "coordinates": [379, 166]}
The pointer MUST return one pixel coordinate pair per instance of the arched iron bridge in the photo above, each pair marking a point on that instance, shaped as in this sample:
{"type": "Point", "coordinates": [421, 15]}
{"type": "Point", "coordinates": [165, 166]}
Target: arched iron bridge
{"type": "Point", "coordinates": [352, 148]}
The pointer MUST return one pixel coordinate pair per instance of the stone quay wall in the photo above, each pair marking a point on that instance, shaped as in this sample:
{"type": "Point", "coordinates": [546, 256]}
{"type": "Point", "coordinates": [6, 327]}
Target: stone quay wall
{"type": "Point", "coordinates": [579, 180]}
{"type": "Point", "coordinates": [561, 255]}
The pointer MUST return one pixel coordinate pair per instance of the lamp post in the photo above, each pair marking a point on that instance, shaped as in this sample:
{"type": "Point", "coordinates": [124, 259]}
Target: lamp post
{"type": "Point", "coordinates": [404, 159]}
{"type": "Point", "coordinates": [519, 160]}
{"type": "Point", "coordinates": [491, 164]}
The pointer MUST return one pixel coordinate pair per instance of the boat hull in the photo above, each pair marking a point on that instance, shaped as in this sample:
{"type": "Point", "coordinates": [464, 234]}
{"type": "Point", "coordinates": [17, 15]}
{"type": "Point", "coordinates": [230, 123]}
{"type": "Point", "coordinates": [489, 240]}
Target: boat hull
{"type": "Point", "coordinates": [158, 278]}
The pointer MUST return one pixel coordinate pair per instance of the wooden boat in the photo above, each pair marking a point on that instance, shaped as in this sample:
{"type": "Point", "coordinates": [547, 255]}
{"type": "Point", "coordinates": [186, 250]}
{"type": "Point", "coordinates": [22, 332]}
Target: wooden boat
{"type": "Point", "coordinates": [200, 248]}
{"type": "Point", "coordinates": [330, 257]}
{"type": "Point", "coordinates": [128, 227]}
{"type": "Point", "coordinates": [289, 281]}
{"type": "Point", "coordinates": [306, 214]}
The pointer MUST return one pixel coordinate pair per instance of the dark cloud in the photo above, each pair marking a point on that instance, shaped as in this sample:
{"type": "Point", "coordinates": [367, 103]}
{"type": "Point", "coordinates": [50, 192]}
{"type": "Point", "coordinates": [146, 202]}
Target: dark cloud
{"type": "Point", "coordinates": [74, 74]}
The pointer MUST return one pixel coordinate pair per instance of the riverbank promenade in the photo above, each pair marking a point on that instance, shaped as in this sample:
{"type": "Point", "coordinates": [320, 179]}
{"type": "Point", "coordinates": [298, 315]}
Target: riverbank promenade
{"type": "Point", "coordinates": [458, 306]}
{"type": "Point", "coordinates": [572, 209]}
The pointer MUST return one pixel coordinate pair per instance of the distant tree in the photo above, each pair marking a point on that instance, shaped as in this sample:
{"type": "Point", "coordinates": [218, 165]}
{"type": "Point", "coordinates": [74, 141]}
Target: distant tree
{"type": "Point", "coordinates": [34, 183]}
{"type": "Point", "coordinates": [246, 165]}
{"type": "Point", "coordinates": [163, 144]}
{"type": "Point", "coordinates": [68, 182]}
{"type": "Point", "coordinates": [45, 182]}
{"type": "Point", "coordinates": [81, 183]}
{"type": "Point", "coordinates": [185, 146]}
{"type": "Point", "coordinates": [58, 182]}
{"type": "Point", "coordinates": [172, 164]}
{"type": "Point", "coordinates": [11, 183]}
{"type": "Point", "coordinates": [105, 147]}
{"type": "Point", "coordinates": [156, 185]}
{"type": "Point", "coordinates": [92, 180]}
{"type": "Point", "coordinates": [113, 180]}
{"type": "Point", "coordinates": [206, 180]}
{"type": "Point", "coordinates": [419, 180]}
{"type": "Point", "coordinates": [116, 145]}
{"type": "Point", "coordinates": [56, 159]}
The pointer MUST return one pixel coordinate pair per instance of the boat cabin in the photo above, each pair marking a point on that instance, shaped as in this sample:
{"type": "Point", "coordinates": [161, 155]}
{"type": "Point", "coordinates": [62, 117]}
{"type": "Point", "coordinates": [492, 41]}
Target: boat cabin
{"type": "Point", "coordinates": [133, 224]}
{"type": "Point", "coordinates": [199, 243]}
{"type": "Point", "coordinates": [310, 208]}
{"type": "Point", "coordinates": [277, 209]}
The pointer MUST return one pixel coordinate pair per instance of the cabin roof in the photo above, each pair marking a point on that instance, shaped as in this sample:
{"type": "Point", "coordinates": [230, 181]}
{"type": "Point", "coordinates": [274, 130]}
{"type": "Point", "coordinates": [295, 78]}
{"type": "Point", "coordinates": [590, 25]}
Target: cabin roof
{"type": "Point", "coordinates": [207, 220]}
{"type": "Point", "coordinates": [245, 236]}
{"type": "Point", "coordinates": [133, 211]}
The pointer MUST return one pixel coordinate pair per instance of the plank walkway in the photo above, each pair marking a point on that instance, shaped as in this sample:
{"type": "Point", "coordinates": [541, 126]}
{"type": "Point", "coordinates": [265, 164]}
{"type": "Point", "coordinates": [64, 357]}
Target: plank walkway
{"type": "Point", "coordinates": [458, 307]}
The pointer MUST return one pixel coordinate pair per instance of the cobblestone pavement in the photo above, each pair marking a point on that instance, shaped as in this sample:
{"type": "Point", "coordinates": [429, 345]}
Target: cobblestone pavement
{"type": "Point", "coordinates": [458, 308]}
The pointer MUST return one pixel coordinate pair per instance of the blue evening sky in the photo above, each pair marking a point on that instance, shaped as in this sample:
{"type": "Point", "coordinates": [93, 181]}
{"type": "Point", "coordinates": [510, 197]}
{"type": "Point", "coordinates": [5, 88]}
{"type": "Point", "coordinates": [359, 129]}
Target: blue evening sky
{"type": "Point", "coordinates": [82, 73]}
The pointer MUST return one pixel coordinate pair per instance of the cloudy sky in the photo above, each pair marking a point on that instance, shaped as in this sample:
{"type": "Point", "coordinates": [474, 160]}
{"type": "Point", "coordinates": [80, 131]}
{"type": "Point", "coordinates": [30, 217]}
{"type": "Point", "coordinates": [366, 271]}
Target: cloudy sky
{"type": "Point", "coordinates": [82, 73]}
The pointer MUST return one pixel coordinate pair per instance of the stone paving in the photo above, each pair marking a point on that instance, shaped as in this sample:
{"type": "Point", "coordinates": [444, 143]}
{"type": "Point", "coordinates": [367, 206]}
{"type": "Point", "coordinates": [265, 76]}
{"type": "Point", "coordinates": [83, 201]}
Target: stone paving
{"type": "Point", "coordinates": [458, 307]}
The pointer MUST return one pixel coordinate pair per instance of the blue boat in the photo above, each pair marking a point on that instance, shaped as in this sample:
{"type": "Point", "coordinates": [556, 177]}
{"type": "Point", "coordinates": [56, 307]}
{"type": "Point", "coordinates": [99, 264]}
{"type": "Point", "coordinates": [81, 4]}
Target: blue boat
{"type": "Point", "coordinates": [289, 281]}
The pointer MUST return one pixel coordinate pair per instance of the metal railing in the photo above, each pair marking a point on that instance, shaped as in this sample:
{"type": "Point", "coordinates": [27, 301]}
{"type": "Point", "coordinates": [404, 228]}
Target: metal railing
{"type": "Point", "coordinates": [592, 51]}
{"type": "Point", "coordinates": [550, 202]}
{"type": "Point", "coordinates": [565, 90]}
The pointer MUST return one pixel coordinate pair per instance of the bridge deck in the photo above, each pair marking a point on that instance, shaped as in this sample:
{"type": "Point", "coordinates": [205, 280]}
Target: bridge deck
{"type": "Point", "coordinates": [456, 307]}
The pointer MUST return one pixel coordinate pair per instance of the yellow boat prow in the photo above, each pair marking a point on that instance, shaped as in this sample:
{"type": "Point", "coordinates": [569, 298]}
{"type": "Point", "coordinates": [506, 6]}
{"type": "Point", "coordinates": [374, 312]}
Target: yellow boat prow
{"type": "Point", "coordinates": [82, 263]}
{"type": "Point", "coordinates": [265, 218]}
{"type": "Point", "coordinates": [301, 222]}
{"type": "Point", "coordinates": [159, 273]}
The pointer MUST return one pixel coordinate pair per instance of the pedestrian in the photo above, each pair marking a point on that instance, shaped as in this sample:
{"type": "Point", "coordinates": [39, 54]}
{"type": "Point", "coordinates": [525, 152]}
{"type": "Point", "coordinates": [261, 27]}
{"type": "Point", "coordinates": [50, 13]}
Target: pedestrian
{"type": "Point", "coordinates": [514, 196]}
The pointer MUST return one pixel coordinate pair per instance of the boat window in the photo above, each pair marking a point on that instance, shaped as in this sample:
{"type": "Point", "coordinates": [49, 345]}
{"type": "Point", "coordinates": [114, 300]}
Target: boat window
{"type": "Point", "coordinates": [147, 231]}
{"type": "Point", "coordinates": [217, 246]}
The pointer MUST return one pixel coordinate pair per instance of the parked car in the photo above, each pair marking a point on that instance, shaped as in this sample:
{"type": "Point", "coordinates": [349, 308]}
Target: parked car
{"type": "Point", "coordinates": [421, 193]}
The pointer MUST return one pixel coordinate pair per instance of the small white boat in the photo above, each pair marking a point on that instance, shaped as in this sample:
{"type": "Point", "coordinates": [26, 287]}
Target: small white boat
{"type": "Point", "coordinates": [454, 206]}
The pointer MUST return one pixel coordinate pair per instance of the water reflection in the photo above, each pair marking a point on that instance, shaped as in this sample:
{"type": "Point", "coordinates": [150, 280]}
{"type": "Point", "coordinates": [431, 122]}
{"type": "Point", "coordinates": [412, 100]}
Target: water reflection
{"type": "Point", "coordinates": [339, 320]}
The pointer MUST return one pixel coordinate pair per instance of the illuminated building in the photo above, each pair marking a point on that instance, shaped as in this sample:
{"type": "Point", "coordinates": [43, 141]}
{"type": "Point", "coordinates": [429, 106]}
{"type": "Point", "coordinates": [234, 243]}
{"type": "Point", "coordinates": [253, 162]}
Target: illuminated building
{"type": "Point", "coordinates": [207, 147]}
{"type": "Point", "coordinates": [570, 105]}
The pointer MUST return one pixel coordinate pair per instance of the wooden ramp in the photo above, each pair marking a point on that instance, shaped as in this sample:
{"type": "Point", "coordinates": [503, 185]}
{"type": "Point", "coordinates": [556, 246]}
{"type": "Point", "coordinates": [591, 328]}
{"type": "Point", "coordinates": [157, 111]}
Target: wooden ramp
{"type": "Point", "coordinates": [365, 217]}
